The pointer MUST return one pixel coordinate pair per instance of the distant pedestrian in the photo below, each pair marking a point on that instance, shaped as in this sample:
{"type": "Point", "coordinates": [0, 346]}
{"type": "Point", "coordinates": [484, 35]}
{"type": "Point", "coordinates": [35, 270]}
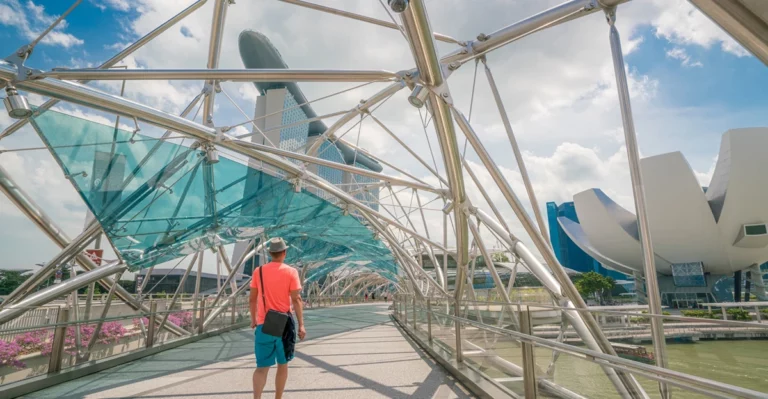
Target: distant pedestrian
{"type": "Point", "coordinates": [373, 296]}
{"type": "Point", "coordinates": [366, 297]}
{"type": "Point", "coordinates": [274, 287]}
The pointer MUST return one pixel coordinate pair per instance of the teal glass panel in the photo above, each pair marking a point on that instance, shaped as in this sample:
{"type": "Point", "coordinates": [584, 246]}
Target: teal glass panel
{"type": "Point", "coordinates": [157, 201]}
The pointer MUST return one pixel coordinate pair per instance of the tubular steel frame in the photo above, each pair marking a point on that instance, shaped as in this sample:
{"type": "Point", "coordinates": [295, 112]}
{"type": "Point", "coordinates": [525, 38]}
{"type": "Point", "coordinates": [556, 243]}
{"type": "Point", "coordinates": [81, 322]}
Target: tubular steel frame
{"type": "Point", "coordinates": [406, 239]}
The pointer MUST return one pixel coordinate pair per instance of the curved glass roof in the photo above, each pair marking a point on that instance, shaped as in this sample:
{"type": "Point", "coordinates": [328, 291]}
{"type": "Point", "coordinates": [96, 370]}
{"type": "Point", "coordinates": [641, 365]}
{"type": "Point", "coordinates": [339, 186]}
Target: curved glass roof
{"type": "Point", "coordinates": [157, 201]}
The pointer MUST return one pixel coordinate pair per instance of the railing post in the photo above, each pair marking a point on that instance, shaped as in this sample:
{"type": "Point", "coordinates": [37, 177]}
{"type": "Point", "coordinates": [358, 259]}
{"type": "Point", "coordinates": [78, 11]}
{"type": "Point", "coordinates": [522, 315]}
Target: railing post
{"type": "Point", "coordinates": [405, 312]}
{"type": "Point", "coordinates": [414, 313]}
{"type": "Point", "coordinates": [150, 341]}
{"type": "Point", "coordinates": [200, 328]}
{"type": "Point", "coordinates": [529, 363]}
{"type": "Point", "coordinates": [457, 325]}
{"type": "Point", "coordinates": [429, 320]}
{"type": "Point", "coordinates": [234, 310]}
{"type": "Point", "coordinates": [757, 314]}
{"type": "Point", "coordinates": [57, 346]}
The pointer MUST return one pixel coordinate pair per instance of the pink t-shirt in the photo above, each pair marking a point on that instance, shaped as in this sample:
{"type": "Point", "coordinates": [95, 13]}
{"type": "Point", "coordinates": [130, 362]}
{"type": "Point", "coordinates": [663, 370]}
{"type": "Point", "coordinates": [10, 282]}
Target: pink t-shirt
{"type": "Point", "coordinates": [279, 280]}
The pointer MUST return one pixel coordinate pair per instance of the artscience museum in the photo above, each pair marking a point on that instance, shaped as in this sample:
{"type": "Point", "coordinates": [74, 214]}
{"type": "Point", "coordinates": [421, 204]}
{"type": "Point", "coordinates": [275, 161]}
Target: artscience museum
{"type": "Point", "coordinates": [709, 242]}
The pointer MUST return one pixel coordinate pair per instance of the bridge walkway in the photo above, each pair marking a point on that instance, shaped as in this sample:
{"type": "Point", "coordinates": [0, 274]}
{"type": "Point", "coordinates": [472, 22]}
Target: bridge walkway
{"type": "Point", "coordinates": [352, 351]}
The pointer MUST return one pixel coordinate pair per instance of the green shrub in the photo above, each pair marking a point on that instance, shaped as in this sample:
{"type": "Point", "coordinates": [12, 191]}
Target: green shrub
{"type": "Point", "coordinates": [739, 314]}
{"type": "Point", "coordinates": [704, 314]}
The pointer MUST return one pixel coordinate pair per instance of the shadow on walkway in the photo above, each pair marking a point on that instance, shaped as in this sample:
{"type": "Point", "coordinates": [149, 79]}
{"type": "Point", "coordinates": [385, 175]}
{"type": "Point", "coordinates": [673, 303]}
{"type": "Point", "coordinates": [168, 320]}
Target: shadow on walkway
{"type": "Point", "coordinates": [351, 351]}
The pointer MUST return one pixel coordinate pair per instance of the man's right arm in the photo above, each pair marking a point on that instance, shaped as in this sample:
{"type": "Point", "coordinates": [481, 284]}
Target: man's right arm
{"type": "Point", "coordinates": [298, 308]}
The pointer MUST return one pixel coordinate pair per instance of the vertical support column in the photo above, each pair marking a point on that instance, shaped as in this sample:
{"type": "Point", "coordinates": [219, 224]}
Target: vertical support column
{"type": "Point", "coordinates": [529, 362]}
{"type": "Point", "coordinates": [201, 319]}
{"type": "Point", "coordinates": [57, 346]}
{"type": "Point", "coordinates": [150, 341]}
{"type": "Point", "coordinates": [196, 296]}
{"type": "Point", "coordinates": [638, 191]}
{"type": "Point", "coordinates": [414, 313]}
{"type": "Point", "coordinates": [737, 286]}
{"type": "Point", "coordinates": [429, 320]}
{"type": "Point", "coordinates": [234, 309]}
{"type": "Point", "coordinates": [214, 50]}
{"type": "Point", "coordinates": [405, 312]}
{"type": "Point", "coordinates": [747, 285]}
{"type": "Point", "coordinates": [457, 325]}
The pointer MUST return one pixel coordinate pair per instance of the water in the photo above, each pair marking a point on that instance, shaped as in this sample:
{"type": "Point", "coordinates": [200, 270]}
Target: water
{"type": "Point", "coordinates": [741, 363]}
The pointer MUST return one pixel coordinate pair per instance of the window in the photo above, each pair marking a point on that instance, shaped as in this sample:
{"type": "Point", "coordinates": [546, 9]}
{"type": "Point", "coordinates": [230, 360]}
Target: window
{"type": "Point", "coordinates": [755, 229]}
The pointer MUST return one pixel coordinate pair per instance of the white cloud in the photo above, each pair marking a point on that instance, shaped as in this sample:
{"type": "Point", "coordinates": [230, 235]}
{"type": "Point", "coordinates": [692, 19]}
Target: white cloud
{"type": "Point", "coordinates": [681, 23]}
{"type": "Point", "coordinates": [557, 85]}
{"type": "Point", "coordinates": [120, 5]}
{"type": "Point", "coordinates": [32, 20]}
{"type": "Point", "coordinates": [679, 53]}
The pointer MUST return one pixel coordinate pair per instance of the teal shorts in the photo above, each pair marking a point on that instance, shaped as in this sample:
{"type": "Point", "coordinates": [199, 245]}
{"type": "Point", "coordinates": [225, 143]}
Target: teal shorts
{"type": "Point", "coordinates": [268, 349]}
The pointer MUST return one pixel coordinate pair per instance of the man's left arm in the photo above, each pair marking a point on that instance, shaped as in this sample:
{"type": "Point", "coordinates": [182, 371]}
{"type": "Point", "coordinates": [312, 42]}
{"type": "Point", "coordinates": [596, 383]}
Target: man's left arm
{"type": "Point", "coordinates": [298, 305]}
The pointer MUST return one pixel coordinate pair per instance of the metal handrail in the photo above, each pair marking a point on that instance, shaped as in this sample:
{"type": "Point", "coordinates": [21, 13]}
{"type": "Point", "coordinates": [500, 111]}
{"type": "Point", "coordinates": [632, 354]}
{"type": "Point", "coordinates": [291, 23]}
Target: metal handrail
{"type": "Point", "coordinates": [734, 323]}
{"type": "Point", "coordinates": [108, 319]}
{"type": "Point", "coordinates": [686, 381]}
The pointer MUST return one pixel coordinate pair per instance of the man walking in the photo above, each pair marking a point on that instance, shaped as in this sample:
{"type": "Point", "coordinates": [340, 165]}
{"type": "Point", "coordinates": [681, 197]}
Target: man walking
{"type": "Point", "coordinates": [274, 287]}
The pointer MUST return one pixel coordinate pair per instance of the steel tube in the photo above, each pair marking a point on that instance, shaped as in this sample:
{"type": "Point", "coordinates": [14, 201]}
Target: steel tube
{"type": "Point", "coordinates": [341, 166]}
{"type": "Point", "coordinates": [628, 384]}
{"type": "Point", "coordinates": [183, 280]}
{"type": "Point", "coordinates": [678, 378]}
{"type": "Point", "coordinates": [224, 75]}
{"type": "Point", "coordinates": [20, 198]}
{"type": "Point", "coordinates": [500, 289]}
{"type": "Point", "coordinates": [418, 31]}
{"type": "Point", "coordinates": [196, 295]}
{"type": "Point", "coordinates": [88, 96]}
{"type": "Point", "coordinates": [364, 106]}
{"type": "Point", "coordinates": [351, 15]}
{"type": "Point", "coordinates": [150, 337]}
{"type": "Point", "coordinates": [57, 345]}
{"type": "Point", "coordinates": [222, 254]}
{"type": "Point", "coordinates": [50, 293]}
{"type": "Point", "coordinates": [409, 149]}
{"type": "Point", "coordinates": [114, 60]}
{"type": "Point", "coordinates": [518, 154]}
{"type": "Point", "coordinates": [104, 313]}
{"type": "Point", "coordinates": [638, 191]}
{"type": "Point", "coordinates": [214, 51]}
{"type": "Point", "coordinates": [547, 18]}
{"type": "Point", "coordinates": [64, 256]}
{"type": "Point", "coordinates": [231, 300]}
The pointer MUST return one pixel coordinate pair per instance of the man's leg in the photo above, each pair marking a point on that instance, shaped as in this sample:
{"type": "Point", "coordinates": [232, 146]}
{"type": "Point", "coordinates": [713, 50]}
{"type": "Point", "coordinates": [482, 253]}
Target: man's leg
{"type": "Point", "coordinates": [260, 380]}
{"type": "Point", "coordinates": [280, 378]}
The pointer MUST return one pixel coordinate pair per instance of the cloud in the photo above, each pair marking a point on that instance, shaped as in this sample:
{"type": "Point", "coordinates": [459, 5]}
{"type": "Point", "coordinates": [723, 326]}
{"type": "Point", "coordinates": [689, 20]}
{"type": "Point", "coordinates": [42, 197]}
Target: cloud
{"type": "Point", "coordinates": [681, 23]}
{"type": "Point", "coordinates": [119, 5]}
{"type": "Point", "coordinates": [679, 53]}
{"type": "Point", "coordinates": [31, 20]}
{"type": "Point", "coordinates": [557, 86]}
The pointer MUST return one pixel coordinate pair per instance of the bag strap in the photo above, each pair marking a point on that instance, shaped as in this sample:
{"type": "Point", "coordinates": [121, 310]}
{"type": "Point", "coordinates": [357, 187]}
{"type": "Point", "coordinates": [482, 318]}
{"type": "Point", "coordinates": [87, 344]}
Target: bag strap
{"type": "Point", "coordinates": [263, 297]}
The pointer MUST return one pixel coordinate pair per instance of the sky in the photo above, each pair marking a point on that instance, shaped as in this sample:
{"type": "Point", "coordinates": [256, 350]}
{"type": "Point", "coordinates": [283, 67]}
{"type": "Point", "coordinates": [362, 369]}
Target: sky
{"type": "Point", "coordinates": [689, 83]}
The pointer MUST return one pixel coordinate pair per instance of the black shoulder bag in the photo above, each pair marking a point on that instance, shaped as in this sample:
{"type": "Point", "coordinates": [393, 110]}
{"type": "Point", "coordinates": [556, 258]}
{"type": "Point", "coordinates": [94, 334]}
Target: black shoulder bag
{"type": "Point", "coordinates": [274, 321]}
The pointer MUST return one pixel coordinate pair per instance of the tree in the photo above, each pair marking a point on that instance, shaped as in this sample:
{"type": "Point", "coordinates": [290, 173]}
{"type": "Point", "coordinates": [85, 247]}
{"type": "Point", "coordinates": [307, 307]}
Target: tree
{"type": "Point", "coordinates": [592, 283]}
{"type": "Point", "coordinates": [11, 279]}
{"type": "Point", "coordinates": [500, 257]}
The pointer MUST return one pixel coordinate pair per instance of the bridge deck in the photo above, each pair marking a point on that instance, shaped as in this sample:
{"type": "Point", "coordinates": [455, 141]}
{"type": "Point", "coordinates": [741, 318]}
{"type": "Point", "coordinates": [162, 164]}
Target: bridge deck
{"type": "Point", "coordinates": [351, 352]}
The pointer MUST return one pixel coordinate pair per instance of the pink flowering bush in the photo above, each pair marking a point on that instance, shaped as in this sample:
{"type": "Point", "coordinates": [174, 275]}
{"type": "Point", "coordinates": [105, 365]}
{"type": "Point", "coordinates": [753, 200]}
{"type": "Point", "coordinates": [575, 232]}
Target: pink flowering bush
{"type": "Point", "coordinates": [181, 319]}
{"type": "Point", "coordinates": [31, 341]}
{"type": "Point", "coordinates": [42, 341]}
{"type": "Point", "coordinates": [9, 355]}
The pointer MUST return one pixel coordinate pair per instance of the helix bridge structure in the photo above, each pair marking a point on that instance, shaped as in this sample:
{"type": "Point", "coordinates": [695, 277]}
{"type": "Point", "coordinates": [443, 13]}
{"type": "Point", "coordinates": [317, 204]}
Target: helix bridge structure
{"type": "Point", "coordinates": [167, 188]}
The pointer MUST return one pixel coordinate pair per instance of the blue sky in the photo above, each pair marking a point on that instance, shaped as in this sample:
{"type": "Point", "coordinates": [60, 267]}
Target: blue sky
{"type": "Point", "coordinates": [690, 83]}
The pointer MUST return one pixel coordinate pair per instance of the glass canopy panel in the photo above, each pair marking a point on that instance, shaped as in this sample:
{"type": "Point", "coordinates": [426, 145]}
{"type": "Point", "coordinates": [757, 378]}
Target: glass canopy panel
{"type": "Point", "coordinates": [158, 200]}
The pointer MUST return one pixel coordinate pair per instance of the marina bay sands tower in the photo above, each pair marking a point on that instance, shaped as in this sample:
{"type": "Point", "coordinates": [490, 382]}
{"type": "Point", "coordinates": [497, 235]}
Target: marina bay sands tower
{"type": "Point", "coordinates": [281, 113]}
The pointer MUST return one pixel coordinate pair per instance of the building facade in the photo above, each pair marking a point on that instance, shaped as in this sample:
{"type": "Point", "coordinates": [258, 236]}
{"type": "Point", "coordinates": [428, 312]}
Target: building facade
{"type": "Point", "coordinates": [708, 242]}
